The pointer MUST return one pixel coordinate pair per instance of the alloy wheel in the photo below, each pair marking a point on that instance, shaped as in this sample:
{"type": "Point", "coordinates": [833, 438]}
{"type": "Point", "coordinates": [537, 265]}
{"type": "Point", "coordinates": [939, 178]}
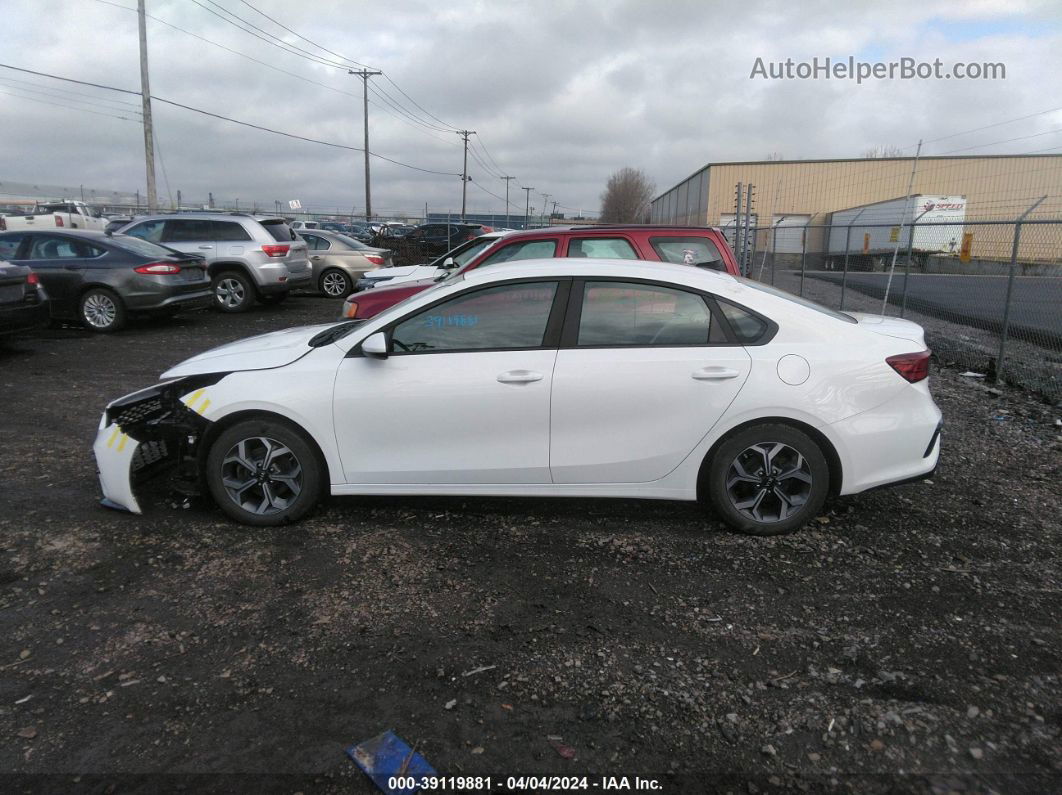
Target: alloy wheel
{"type": "Point", "coordinates": [769, 482]}
{"type": "Point", "coordinates": [99, 310]}
{"type": "Point", "coordinates": [334, 284]}
{"type": "Point", "coordinates": [261, 475]}
{"type": "Point", "coordinates": [230, 293]}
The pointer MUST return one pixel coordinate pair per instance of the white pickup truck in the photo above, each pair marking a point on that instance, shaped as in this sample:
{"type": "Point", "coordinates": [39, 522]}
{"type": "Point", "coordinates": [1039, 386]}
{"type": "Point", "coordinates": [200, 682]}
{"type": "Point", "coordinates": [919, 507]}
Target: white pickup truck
{"type": "Point", "coordinates": [62, 214]}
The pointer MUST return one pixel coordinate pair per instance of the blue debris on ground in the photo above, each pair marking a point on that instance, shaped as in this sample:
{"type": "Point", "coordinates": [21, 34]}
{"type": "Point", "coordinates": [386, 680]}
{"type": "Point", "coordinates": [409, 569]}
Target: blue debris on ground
{"type": "Point", "coordinates": [388, 759]}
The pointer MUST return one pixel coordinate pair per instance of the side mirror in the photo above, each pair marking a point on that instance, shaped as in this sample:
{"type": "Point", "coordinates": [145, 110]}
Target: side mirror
{"type": "Point", "coordinates": [375, 345]}
{"type": "Point", "coordinates": [449, 263]}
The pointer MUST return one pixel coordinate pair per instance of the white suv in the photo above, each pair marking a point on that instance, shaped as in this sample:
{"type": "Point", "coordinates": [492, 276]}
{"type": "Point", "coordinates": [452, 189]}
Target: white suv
{"type": "Point", "coordinates": [248, 256]}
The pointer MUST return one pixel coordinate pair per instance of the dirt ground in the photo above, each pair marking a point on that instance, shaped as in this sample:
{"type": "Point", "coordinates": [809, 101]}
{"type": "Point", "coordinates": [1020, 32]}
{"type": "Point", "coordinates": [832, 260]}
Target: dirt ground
{"type": "Point", "coordinates": [908, 641]}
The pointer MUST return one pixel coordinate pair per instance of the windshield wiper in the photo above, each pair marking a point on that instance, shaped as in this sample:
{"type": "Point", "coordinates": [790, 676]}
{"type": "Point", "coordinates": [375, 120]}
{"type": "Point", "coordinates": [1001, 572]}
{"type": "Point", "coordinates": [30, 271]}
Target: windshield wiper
{"type": "Point", "coordinates": [330, 335]}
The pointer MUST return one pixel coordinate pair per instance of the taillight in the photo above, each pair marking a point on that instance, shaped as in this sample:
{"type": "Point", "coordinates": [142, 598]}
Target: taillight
{"type": "Point", "coordinates": [59, 220]}
{"type": "Point", "coordinates": [158, 268]}
{"type": "Point", "coordinates": [33, 278]}
{"type": "Point", "coordinates": [276, 249]}
{"type": "Point", "coordinates": [350, 309]}
{"type": "Point", "coordinates": [913, 367]}
{"type": "Point", "coordinates": [375, 259]}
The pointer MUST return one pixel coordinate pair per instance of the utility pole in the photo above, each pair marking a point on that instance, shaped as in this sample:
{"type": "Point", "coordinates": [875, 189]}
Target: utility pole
{"type": "Point", "coordinates": [507, 180]}
{"type": "Point", "coordinates": [545, 202]}
{"type": "Point", "coordinates": [464, 171]}
{"type": "Point", "coordinates": [527, 206]}
{"type": "Point", "coordinates": [554, 211]}
{"type": "Point", "coordinates": [145, 102]}
{"type": "Point", "coordinates": [365, 74]}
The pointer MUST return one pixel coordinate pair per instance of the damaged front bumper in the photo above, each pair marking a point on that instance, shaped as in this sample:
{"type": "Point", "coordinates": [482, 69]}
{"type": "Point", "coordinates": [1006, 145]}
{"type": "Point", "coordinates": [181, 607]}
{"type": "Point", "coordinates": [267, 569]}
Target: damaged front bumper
{"type": "Point", "coordinates": [148, 431]}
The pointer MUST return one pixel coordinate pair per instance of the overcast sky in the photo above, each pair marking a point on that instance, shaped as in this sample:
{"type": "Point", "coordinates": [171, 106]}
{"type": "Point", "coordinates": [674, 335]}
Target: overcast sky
{"type": "Point", "coordinates": [561, 93]}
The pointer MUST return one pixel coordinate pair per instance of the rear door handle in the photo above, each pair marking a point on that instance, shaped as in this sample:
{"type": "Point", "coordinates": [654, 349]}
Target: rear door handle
{"type": "Point", "coordinates": [519, 377]}
{"type": "Point", "coordinates": [206, 248]}
{"type": "Point", "coordinates": [315, 257]}
{"type": "Point", "coordinates": [715, 374]}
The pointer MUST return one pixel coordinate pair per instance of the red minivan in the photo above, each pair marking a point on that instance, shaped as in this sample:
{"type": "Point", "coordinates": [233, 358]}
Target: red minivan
{"type": "Point", "coordinates": [697, 246]}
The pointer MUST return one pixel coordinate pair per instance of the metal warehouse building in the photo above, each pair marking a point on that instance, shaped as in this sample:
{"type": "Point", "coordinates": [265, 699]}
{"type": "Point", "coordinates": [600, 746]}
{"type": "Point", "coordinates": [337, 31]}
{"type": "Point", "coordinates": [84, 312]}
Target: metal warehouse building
{"type": "Point", "coordinates": [797, 193]}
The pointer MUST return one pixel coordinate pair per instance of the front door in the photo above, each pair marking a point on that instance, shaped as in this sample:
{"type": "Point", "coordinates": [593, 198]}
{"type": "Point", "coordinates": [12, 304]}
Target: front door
{"type": "Point", "coordinates": [464, 396]}
{"type": "Point", "coordinates": [645, 373]}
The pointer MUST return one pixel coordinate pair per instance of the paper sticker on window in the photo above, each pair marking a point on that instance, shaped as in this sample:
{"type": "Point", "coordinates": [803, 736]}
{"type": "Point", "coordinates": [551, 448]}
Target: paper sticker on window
{"type": "Point", "coordinates": [688, 256]}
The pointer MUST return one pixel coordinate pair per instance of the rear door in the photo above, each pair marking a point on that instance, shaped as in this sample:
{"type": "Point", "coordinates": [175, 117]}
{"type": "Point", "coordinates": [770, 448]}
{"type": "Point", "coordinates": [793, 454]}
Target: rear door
{"type": "Point", "coordinates": [230, 239]}
{"type": "Point", "coordinates": [644, 372]}
{"type": "Point", "coordinates": [601, 247]}
{"type": "Point", "coordinates": [60, 262]}
{"type": "Point", "coordinates": [191, 235]}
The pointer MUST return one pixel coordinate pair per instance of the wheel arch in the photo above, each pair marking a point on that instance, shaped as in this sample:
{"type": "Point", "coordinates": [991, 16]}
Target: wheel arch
{"type": "Point", "coordinates": [214, 268]}
{"type": "Point", "coordinates": [222, 424]}
{"type": "Point", "coordinates": [833, 459]}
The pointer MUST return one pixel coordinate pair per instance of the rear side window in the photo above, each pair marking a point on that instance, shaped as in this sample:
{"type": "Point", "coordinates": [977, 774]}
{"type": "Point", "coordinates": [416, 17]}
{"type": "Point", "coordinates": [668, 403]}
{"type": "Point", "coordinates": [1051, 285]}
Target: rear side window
{"type": "Point", "coordinates": [188, 230]}
{"type": "Point", "coordinates": [602, 248]}
{"type": "Point", "coordinates": [229, 230]}
{"type": "Point", "coordinates": [45, 247]}
{"type": "Point", "coordinates": [279, 230]}
{"type": "Point", "coordinates": [619, 313]}
{"type": "Point", "coordinates": [528, 249]}
{"type": "Point", "coordinates": [697, 251]}
{"type": "Point", "coordinates": [149, 230]}
{"type": "Point", "coordinates": [142, 247]}
{"type": "Point", "coordinates": [351, 243]}
{"type": "Point", "coordinates": [747, 327]}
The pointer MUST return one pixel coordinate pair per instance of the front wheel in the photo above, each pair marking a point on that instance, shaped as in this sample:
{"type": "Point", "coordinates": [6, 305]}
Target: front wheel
{"type": "Point", "coordinates": [768, 479]}
{"type": "Point", "coordinates": [264, 472]}
{"type": "Point", "coordinates": [101, 310]}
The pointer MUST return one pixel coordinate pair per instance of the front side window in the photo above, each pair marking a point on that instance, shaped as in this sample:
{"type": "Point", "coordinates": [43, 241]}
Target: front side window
{"type": "Point", "coordinates": [507, 317]}
{"type": "Point", "coordinates": [697, 251]}
{"type": "Point", "coordinates": [619, 313]}
{"type": "Point", "coordinates": [149, 230]}
{"type": "Point", "coordinates": [602, 248]}
{"type": "Point", "coordinates": [527, 249]}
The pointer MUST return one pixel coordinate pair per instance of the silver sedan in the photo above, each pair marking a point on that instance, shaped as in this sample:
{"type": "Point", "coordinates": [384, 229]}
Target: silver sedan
{"type": "Point", "coordinates": [339, 260]}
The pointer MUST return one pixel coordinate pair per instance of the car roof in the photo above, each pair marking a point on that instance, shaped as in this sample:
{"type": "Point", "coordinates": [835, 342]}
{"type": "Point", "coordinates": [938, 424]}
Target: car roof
{"type": "Point", "coordinates": [582, 266]}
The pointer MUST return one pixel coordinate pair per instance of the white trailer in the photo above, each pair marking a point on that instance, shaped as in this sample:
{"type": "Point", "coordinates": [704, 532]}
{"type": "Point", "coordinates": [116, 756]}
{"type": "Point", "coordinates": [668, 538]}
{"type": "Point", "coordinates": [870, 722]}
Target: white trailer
{"type": "Point", "coordinates": [877, 228]}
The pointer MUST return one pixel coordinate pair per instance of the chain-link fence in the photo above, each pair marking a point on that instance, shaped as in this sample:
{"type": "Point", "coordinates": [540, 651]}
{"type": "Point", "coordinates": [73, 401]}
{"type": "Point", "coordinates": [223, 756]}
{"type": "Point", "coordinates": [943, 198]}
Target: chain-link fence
{"type": "Point", "coordinates": [988, 293]}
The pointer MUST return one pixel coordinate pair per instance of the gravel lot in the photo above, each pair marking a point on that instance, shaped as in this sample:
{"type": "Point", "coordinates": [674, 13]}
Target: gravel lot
{"type": "Point", "coordinates": [908, 641]}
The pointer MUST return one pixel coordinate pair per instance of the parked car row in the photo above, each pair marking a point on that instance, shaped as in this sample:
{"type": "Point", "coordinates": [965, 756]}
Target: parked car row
{"type": "Point", "coordinates": [161, 264]}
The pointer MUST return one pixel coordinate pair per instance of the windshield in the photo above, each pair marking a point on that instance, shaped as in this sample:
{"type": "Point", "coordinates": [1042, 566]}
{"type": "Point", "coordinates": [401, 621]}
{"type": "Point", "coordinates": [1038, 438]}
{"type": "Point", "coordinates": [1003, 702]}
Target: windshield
{"type": "Point", "coordinates": [468, 252]}
{"type": "Point", "coordinates": [796, 299]}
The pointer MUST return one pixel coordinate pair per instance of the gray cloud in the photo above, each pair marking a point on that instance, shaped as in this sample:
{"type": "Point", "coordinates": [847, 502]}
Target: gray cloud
{"type": "Point", "coordinates": [562, 94]}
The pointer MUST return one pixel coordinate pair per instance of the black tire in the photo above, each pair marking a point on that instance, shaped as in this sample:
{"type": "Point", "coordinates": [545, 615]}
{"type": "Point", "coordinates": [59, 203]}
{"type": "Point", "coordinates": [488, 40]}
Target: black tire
{"type": "Point", "coordinates": [258, 489]}
{"type": "Point", "coordinates": [233, 291]}
{"type": "Point", "coordinates": [273, 298]}
{"type": "Point", "coordinates": [101, 310]}
{"type": "Point", "coordinates": [335, 283]}
{"type": "Point", "coordinates": [791, 491]}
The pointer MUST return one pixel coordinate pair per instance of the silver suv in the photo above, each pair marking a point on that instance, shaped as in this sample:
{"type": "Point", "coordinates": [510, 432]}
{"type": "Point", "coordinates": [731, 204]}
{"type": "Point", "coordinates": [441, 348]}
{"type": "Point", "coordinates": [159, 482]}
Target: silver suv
{"type": "Point", "coordinates": [248, 256]}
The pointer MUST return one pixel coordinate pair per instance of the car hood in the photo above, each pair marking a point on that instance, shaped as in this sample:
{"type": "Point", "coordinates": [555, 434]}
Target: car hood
{"type": "Point", "coordinates": [263, 352]}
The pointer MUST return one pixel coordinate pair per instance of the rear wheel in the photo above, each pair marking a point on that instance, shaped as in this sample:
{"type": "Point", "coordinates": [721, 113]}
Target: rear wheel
{"type": "Point", "coordinates": [233, 291]}
{"type": "Point", "coordinates": [101, 310]}
{"type": "Point", "coordinates": [768, 479]}
{"type": "Point", "coordinates": [263, 472]}
{"type": "Point", "coordinates": [335, 283]}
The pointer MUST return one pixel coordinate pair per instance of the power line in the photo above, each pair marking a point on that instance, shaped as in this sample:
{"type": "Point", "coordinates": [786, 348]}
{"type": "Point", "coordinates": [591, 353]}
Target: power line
{"type": "Point", "coordinates": [69, 107]}
{"type": "Point", "coordinates": [64, 100]}
{"type": "Point", "coordinates": [39, 87]}
{"type": "Point", "coordinates": [293, 33]}
{"type": "Point", "coordinates": [231, 120]}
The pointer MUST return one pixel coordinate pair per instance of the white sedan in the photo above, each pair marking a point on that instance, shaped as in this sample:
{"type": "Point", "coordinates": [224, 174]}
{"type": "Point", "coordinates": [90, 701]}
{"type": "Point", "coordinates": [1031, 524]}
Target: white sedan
{"type": "Point", "coordinates": [563, 378]}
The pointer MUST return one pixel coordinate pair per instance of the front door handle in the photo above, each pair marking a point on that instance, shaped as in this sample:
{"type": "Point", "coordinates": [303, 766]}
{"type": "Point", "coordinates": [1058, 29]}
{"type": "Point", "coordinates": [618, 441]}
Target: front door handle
{"type": "Point", "coordinates": [206, 248]}
{"type": "Point", "coordinates": [316, 257]}
{"type": "Point", "coordinates": [715, 374]}
{"type": "Point", "coordinates": [519, 377]}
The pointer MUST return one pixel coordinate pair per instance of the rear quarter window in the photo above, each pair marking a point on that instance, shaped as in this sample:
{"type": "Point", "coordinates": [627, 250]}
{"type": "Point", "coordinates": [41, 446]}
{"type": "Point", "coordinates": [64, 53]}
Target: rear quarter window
{"type": "Point", "coordinates": [697, 251]}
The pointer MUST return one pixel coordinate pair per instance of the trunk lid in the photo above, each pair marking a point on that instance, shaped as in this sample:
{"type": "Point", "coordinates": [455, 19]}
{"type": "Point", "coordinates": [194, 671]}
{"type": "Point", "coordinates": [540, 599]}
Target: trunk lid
{"type": "Point", "coordinates": [891, 327]}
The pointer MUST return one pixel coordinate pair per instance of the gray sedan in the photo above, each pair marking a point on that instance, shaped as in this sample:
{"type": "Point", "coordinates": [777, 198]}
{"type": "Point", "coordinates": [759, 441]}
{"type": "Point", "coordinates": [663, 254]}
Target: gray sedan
{"type": "Point", "coordinates": [99, 279]}
{"type": "Point", "coordinates": [339, 260]}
